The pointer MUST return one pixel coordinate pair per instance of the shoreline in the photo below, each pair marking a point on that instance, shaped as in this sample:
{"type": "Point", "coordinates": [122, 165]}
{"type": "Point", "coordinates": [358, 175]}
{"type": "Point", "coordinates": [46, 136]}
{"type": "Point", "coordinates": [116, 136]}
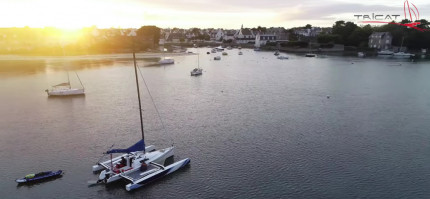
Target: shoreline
{"type": "Point", "coordinates": [92, 56]}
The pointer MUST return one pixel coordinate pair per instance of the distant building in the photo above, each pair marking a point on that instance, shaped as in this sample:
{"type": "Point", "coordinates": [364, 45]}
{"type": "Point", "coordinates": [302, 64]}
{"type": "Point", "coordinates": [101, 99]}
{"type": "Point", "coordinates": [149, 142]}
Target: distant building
{"type": "Point", "coordinates": [229, 35]}
{"type": "Point", "coordinates": [244, 36]}
{"type": "Point", "coordinates": [176, 38]}
{"type": "Point", "coordinates": [216, 35]}
{"type": "Point", "coordinates": [265, 38]}
{"type": "Point", "coordinates": [311, 32]}
{"type": "Point", "coordinates": [280, 32]}
{"type": "Point", "coordinates": [380, 40]}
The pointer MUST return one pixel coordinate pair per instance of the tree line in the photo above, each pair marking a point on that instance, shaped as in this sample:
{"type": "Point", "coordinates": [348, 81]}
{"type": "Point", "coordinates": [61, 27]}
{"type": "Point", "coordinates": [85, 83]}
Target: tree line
{"type": "Point", "coordinates": [350, 34]}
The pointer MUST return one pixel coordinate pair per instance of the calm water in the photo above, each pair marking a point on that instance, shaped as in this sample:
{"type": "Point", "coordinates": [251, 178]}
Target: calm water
{"type": "Point", "coordinates": [253, 126]}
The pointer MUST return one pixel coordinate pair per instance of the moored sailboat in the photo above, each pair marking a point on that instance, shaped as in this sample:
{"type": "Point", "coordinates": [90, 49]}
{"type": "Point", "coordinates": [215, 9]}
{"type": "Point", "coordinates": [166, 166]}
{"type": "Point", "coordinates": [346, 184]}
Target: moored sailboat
{"type": "Point", "coordinates": [65, 89]}
{"type": "Point", "coordinates": [197, 71]}
{"type": "Point", "coordinates": [166, 60]}
{"type": "Point", "coordinates": [135, 157]}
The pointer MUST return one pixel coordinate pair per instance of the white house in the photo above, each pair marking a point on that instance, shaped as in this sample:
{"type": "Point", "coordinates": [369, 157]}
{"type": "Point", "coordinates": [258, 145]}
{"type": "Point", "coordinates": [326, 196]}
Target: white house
{"type": "Point", "coordinates": [265, 38]}
{"type": "Point", "coordinates": [219, 35]}
{"type": "Point", "coordinates": [244, 36]}
{"type": "Point", "coordinates": [229, 35]}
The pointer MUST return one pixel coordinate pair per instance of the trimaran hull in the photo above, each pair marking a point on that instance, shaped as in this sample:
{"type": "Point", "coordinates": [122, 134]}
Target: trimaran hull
{"type": "Point", "coordinates": [135, 161]}
{"type": "Point", "coordinates": [158, 156]}
{"type": "Point", "coordinates": [99, 166]}
{"type": "Point", "coordinates": [154, 175]}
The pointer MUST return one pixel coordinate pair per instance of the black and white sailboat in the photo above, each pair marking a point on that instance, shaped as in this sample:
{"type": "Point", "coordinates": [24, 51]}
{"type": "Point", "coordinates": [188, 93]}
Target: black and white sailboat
{"type": "Point", "coordinates": [136, 158]}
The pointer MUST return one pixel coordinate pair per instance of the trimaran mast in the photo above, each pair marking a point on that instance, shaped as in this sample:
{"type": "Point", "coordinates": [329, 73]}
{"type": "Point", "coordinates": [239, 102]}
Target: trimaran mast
{"type": "Point", "coordinates": [138, 96]}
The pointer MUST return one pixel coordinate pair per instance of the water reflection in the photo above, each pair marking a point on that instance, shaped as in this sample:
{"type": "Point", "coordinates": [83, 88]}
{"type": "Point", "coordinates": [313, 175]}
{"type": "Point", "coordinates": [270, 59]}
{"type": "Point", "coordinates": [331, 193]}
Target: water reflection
{"type": "Point", "coordinates": [13, 66]}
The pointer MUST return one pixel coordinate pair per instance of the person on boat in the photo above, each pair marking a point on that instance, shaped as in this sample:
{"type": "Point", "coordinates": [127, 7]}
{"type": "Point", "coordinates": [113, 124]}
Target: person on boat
{"type": "Point", "coordinates": [143, 167]}
{"type": "Point", "coordinates": [122, 163]}
{"type": "Point", "coordinates": [29, 176]}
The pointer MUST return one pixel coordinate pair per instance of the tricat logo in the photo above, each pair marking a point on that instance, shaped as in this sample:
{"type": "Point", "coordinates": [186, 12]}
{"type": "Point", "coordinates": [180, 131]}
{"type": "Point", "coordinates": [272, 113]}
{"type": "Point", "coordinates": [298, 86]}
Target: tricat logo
{"type": "Point", "coordinates": [410, 11]}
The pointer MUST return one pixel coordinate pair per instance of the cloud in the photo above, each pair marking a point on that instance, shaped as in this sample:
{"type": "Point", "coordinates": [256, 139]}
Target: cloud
{"type": "Point", "coordinates": [194, 13]}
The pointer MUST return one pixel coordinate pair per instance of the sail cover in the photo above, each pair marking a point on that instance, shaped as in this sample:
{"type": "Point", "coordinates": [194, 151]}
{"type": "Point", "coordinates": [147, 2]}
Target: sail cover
{"type": "Point", "coordinates": [139, 146]}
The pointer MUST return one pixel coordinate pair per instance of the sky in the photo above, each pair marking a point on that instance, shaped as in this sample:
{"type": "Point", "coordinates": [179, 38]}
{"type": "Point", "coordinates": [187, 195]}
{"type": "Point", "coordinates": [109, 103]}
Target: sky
{"type": "Point", "coordinates": [193, 13]}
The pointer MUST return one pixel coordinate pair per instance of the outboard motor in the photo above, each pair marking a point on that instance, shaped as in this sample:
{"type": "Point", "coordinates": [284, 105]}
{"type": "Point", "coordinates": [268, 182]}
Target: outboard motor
{"type": "Point", "coordinates": [104, 175]}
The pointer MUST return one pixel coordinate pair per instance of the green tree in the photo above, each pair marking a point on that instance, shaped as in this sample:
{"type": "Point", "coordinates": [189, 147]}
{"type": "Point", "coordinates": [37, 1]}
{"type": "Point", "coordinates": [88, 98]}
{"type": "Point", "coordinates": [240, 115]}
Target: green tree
{"type": "Point", "coordinates": [328, 38]}
{"type": "Point", "coordinates": [344, 30]}
{"type": "Point", "coordinates": [148, 33]}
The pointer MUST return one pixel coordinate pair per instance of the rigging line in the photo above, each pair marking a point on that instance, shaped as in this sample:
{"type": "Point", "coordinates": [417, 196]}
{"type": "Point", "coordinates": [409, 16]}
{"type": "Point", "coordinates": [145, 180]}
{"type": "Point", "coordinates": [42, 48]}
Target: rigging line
{"type": "Point", "coordinates": [79, 80]}
{"type": "Point", "coordinates": [155, 106]}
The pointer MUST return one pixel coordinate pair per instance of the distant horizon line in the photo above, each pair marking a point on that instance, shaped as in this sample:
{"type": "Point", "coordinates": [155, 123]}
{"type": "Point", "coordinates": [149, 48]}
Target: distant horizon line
{"type": "Point", "coordinates": [164, 27]}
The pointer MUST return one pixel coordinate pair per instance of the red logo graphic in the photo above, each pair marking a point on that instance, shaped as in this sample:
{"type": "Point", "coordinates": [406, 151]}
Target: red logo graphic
{"type": "Point", "coordinates": [408, 8]}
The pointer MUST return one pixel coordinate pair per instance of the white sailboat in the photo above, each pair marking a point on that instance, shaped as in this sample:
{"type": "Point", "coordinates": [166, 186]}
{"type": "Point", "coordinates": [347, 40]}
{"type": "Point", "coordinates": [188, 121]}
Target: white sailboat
{"type": "Point", "coordinates": [65, 89]}
{"type": "Point", "coordinates": [136, 159]}
{"type": "Point", "coordinates": [402, 54]}
{"type": "Point", "coordinates": [166, 60]}
{"type": "Point", "coordinates": [197, 71]}
{"type": "Point", "coordinates": [385, 52]}
{"type": "Point", "coordinates": [257, 43]}
{"type": "Point", "coordinates": [310, 54]}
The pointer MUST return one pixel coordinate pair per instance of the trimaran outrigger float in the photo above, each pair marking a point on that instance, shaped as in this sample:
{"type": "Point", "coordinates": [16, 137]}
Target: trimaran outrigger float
{"type": "Point", "coordinates": [138, 164]}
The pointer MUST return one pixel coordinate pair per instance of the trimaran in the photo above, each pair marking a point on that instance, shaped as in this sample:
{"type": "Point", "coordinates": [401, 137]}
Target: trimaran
{"type": "Point", "coordinates": [139, 164]}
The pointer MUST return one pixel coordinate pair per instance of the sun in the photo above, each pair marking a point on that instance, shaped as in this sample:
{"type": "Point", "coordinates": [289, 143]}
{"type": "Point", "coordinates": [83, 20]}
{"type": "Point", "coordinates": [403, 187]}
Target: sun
{"type": "Point", "coordinates": [67, 14]}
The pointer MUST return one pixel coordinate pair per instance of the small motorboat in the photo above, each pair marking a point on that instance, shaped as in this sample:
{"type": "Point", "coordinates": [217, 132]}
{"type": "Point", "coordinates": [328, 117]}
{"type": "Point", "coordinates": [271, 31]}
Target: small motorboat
{"type": "Point", "coordinates": [310, 55]}
{"type": "Point", "coordinates": [39, 176]}
{"type": "Point", "coordinates": [196, 72]}
{"type": "Point", "coordinates": [277, 53]}
{"type": "Point", "coordinates": [166, 61]}
{"type": "Point", "coordinates": [224, 53]}
{"type": "Point", "coordinates": [240, 53]}
{"type": "Point", "coordinates": [385, 52]}
{"type": "Point", "coordinates": [217, 58]}
{"type": "Point", "coordinates": [403, 55]}
{"type": "Point", "coordinates": [219, 49]}
{"type": "Point", "coordinates": [214, 50]}
{"type": "Point", "coordinates": [282, 57]}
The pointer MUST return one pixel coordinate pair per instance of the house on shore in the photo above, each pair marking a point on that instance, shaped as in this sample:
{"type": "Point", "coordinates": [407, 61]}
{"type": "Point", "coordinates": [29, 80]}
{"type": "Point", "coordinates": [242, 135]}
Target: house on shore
{"type": "Point", "coordinates": [265, 38]}
{"type": "Point", "coordinates": [229, 35]}
{"type": "Point", "coordinates": [381, 40]}
{"type": "Point", "coordinates": [244, 36]}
